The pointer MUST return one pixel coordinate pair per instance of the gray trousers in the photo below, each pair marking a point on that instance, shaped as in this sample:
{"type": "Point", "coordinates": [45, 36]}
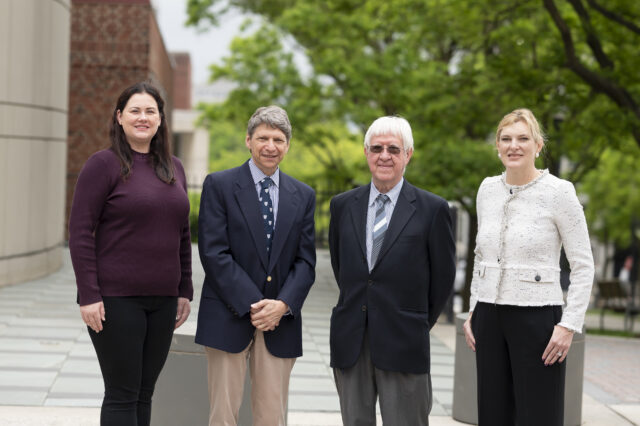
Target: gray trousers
{"type": "Point", "coordinates": [405, 399]}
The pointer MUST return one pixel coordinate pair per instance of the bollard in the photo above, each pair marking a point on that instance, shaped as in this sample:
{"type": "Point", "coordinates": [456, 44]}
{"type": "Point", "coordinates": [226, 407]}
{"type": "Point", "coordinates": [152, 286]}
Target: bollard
{"type": "Point", "coordinates": [465, 396]}
{"type": "Point", "coordinates": [181, 395]}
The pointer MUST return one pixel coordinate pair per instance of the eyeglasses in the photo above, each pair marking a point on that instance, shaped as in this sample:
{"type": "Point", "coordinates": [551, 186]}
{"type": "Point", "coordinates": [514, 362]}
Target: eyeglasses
{"type": "Point", "coordinates": [391, 149]}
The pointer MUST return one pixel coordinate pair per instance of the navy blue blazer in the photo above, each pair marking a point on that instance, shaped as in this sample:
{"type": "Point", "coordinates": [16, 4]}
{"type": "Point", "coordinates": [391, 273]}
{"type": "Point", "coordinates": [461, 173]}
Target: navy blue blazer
{"type": "Point", "coordinates": [399, 301]}
{"type": "Point", "coordinates": [238, 271]}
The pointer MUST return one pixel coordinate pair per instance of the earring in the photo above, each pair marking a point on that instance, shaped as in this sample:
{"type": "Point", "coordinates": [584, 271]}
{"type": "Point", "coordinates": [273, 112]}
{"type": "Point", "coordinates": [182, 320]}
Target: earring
{"type": "Point", "coordinates": [537, 154]}
{"type": "Point", "coordinates": [499, 155]}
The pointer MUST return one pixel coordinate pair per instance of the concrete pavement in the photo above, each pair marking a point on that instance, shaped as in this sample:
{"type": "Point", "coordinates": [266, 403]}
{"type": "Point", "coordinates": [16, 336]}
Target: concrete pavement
{"type": "Point", "coordinates": [49, 374]}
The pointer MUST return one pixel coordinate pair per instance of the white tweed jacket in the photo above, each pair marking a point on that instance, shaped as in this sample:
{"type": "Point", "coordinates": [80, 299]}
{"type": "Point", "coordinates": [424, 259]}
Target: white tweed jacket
{"type": "Point", "coordinates": [520, 232]}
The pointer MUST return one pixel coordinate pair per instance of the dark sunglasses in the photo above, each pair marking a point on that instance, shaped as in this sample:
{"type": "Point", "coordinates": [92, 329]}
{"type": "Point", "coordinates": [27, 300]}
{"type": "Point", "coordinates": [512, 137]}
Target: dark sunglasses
{"type": "Point", "coordinates": [392, 149]}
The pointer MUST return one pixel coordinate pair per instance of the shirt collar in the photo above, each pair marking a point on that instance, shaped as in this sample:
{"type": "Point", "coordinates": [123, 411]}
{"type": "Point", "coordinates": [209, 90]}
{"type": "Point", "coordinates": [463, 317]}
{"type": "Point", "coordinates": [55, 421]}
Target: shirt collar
{"type": "Point", "coordinates": [393, 193]}
{"type": "Point", "coordinates": [258, 175]}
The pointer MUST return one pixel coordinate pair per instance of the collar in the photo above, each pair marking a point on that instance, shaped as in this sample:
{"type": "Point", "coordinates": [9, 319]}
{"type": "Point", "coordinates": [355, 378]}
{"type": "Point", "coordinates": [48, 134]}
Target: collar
{"type": "Point", "coordinates": [257, 175]}
{"type": "Point", "coordinates": [393, 193]}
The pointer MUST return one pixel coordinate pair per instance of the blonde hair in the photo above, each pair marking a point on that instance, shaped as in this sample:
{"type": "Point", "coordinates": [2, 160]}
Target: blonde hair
{"type": "Point", "coordinates": [525, 115]}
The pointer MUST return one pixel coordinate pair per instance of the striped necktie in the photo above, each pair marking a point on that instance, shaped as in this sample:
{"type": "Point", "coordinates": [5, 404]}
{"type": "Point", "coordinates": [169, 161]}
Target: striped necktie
{"type": "Point", "coordinates": [379, 227]}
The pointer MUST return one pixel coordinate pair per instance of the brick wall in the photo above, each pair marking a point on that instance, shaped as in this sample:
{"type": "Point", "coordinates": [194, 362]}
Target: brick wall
{"type": "Point", "coordinates": [181, 80]}
{"type": "Point", "coordinates": [114, 44]}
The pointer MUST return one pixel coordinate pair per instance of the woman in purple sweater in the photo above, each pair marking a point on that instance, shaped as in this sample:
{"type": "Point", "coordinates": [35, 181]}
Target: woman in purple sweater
{"type": "Point", "coordinates": [131, 253]}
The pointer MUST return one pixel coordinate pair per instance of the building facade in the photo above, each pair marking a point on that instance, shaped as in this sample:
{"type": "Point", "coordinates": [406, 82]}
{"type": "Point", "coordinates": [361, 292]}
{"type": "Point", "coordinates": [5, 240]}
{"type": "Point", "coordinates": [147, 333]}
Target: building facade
{"type": "Point", "coordinates": [34, 76]}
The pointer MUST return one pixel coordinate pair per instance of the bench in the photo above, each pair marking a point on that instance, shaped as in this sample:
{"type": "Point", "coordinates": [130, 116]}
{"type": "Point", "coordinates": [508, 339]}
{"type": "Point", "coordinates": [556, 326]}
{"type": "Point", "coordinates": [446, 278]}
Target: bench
{"type": "Point", "coordinates": [613, 296]}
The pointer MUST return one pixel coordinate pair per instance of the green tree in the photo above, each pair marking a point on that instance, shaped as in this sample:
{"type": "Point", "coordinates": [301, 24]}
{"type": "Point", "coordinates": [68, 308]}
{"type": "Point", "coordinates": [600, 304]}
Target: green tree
{"type": "Point", "coordinates": [613, 191]}
{"type": "Point", "coordinates": [453, 68]}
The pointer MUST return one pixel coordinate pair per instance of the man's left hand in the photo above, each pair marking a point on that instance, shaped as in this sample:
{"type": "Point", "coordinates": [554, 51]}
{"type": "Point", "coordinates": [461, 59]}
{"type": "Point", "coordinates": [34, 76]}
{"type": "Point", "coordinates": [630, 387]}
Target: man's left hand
{"type": "Point", "coordinates": [266, 314]}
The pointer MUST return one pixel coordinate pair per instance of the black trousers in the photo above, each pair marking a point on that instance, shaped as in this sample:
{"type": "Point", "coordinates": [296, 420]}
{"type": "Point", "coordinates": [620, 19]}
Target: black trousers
{"type": "Point", "coordinates": [514, 386]}
{"type": "Point", "coordinates": [132, 349]}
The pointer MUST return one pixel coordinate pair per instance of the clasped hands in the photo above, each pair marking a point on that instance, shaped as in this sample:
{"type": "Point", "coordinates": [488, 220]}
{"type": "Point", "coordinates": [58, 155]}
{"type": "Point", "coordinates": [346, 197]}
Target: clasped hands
{"type": "Point", "coordinates": [266, 314]}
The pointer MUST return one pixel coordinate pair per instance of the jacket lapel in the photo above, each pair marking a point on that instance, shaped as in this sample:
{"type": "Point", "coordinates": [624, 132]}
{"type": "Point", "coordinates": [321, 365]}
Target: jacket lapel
{"type": "Point", "coordinates": [247, 199]}
{"type": "Point", "coordinates": [402, 212]}
{"type": "Point", "coordinates": [287, 208]}
{"type": "Point", "coordinates": [359, 216]}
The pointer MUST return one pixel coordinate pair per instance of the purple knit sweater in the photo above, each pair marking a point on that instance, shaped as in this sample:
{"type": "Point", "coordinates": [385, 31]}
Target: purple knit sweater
{"type": "Point", "coordinates": [129, 238]}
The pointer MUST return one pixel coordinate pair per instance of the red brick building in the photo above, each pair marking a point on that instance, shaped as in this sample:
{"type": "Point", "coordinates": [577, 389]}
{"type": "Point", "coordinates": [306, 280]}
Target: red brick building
{"type": "Point", "coordinates": [114, 43]}
{"type": "Point", "coordinates": [181, 80]}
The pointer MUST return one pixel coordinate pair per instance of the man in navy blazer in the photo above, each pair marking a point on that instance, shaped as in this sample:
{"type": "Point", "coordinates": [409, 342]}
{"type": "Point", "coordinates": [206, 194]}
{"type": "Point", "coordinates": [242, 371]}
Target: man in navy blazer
{"type": "Point", "coordinates": [256, 243]}
{"type": "Point", "coordinates": [393, 256]}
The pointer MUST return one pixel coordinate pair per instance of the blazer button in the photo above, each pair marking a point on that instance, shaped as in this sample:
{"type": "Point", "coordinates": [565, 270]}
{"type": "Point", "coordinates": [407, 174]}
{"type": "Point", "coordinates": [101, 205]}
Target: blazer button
{"type": "Point", "coordinates": [269, 279]}
{"type": "Point", "coordinates": [364, 308]}
{"type": "Point", "coordinates": [538, 277]}
{"type": "Point", "coordinates": [370, 282]}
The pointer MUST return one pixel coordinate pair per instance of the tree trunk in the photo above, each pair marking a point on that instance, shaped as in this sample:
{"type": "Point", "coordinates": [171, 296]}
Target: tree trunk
{"type": "Point", "coordinates": [471, 244]}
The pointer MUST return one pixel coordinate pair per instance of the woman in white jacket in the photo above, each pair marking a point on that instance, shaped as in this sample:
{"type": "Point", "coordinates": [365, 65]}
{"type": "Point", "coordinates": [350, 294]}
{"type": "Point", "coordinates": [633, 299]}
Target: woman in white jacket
{"type": "Point", "coordinates": [517, 327]}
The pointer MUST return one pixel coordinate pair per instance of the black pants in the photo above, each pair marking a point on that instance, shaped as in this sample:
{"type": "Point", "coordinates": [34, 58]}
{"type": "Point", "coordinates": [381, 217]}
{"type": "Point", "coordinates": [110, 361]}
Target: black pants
{"type": "Point", "coordinates": [132, 349]}
{"type": "Point", "coordinates": [514, 386]}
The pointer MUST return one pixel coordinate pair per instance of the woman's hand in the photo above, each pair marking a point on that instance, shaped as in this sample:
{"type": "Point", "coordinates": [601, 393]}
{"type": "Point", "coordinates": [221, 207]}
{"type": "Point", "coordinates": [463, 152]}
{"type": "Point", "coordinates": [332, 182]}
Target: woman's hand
{"type": "Point", "coordinates": [468, 334]}
{"type": "Point", "coordinates": [558, 347]}
{"type": "Point", "coordinates": [184, 309]}
{"type": "Point", "coordinates": [93, 315]}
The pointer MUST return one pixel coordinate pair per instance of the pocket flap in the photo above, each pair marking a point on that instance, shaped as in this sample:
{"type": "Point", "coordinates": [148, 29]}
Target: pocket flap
{"type": "Point", "coordinates": [534, 276]}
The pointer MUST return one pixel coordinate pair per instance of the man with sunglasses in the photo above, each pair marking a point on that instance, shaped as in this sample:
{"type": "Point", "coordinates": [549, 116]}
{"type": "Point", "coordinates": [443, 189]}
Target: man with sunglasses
{"type": "Point", "coordinates": [393, 257]}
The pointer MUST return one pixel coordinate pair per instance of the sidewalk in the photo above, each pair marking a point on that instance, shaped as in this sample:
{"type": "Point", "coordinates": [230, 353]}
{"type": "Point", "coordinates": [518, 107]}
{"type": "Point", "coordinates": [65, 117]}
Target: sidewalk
{"type": "Point", "coordinates": [49, 374]}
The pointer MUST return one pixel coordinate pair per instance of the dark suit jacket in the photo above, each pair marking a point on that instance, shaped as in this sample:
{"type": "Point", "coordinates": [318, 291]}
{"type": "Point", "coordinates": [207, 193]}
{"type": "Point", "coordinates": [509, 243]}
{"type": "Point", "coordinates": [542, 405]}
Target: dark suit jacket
{"type": "Point", "coordinates": [238, 271]}
{"type": "Point", "coordinates": [401, 299]}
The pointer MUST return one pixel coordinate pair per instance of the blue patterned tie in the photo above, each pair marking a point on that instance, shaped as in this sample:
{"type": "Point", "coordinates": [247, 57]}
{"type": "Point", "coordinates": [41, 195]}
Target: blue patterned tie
{"type": "Point", "coordinates": [266, 207]}
{"type": "Point", "coordinates": [379, 227]}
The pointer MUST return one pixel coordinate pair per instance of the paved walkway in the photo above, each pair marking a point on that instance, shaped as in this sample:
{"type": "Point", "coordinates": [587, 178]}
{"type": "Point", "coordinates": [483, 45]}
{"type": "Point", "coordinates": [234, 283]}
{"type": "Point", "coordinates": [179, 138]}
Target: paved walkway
{"type": "Point", "coordinates": [49, 375]}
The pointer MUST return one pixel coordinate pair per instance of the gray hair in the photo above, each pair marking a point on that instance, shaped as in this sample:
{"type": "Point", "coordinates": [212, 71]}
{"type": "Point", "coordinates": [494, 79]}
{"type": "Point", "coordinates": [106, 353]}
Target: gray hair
{"type": "Point", "coordinates": [273, 116]}
{"type": "Point", "coordinates": [390, 125]}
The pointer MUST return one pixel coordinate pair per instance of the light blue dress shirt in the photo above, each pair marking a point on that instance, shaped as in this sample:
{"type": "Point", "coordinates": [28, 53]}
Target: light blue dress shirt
{"type": "Point", "coordinates": [274, 190]}
{"type": "Point", "coordinates": [393, 195]}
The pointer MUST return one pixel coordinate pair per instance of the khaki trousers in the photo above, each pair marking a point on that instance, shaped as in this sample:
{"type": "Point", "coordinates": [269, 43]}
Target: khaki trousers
{"type": "Point", "coordinates": [269, 384]}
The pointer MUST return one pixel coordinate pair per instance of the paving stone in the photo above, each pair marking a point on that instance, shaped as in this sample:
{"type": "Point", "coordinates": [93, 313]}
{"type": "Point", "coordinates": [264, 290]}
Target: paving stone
{"type": "Point", "coordinates": [46, 333]}
{"type": "Point", "coordinates": [53, 401]}
{"type": "Point", "coordinates": [22, 397]}
{"type": "Point", "coordinates": [438, 410]}
{"type": "Point", "coordinates": [440, 382]}
{"type": "Point", "coordinates": [82, 385]}
{"type": "Point", "coordinates": [440, 359]}
{"type": "Point", "coordinates": [31, 360]}
{"type": "Point", "coordinates": [12, 344]}
{"type": "Point", "coordinates": [303, 402]}
{"type": "Point", "coordinates": [309, 369]}
{"type": "Point", "coordinates": [312, 384]}
{"type": "Point", "coordinates": [81, 366]}
{"type": "Point", "coordinates": [444, 396]}
{"type": "Point", "coordinates": [26, 379]}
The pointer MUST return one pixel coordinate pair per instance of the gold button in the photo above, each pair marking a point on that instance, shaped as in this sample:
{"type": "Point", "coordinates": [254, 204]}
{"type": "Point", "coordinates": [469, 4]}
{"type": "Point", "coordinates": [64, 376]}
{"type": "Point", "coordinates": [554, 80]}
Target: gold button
{"type": "Point", "coordinates": [269, 279]}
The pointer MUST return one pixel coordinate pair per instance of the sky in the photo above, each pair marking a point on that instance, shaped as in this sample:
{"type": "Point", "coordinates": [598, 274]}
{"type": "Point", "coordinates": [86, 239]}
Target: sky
{"type": "Point", "coordinates": [205, 48]}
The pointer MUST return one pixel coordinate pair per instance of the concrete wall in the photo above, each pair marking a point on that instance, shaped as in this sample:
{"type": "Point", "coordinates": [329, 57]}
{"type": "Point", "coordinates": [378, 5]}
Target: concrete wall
{"type": "Point", "coordinates": [191, 145]}
{"type": "Point", "coordinates": [34, 73]}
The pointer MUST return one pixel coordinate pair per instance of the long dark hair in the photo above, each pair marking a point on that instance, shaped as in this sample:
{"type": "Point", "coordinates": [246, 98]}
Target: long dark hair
{"type": "Point", "coordinates": [159, 151]}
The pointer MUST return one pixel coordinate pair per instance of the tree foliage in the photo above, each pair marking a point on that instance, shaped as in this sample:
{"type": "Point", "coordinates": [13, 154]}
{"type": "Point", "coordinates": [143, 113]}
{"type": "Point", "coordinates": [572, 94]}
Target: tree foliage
{"type": "Point", "coordinates": [613, 188]}
{"type": "Point", "coordinates": [453, 68]}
